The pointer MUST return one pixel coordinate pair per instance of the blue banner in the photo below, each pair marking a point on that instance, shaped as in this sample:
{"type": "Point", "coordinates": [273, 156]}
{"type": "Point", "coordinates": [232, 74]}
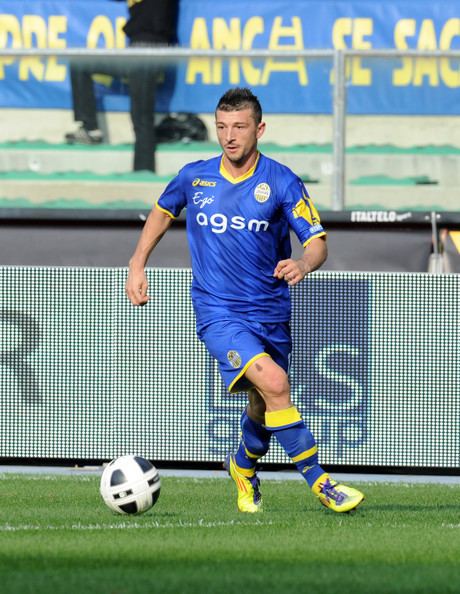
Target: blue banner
{"type": "Point", "coordinates": [330, 365]}
{"type": "Point", "coordinates": [329, 371]}
{"type": "Point", "coordinates": [397, 86]}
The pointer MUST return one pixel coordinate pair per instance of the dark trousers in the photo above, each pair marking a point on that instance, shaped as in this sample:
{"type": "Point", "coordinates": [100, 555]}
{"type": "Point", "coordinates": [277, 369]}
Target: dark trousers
{"type": "Point", "coordinates": [142, 81]}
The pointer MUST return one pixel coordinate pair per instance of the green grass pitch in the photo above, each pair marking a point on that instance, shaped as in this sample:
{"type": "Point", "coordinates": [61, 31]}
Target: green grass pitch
{"type": "Point", "coordinates": [57, 536]}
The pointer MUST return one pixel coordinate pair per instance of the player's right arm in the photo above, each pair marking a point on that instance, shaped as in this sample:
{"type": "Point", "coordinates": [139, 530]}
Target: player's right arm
{"type": "Point", "coordinates": [156, 225]}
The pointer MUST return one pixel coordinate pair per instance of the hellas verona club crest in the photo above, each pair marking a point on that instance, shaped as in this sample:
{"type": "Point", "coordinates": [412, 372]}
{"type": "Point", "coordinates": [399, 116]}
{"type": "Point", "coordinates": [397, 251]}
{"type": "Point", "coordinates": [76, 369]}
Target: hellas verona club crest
{"type": "Point", "coordinates": [234, 358]}
{"type": "Point", "coordinates": [262, 192]}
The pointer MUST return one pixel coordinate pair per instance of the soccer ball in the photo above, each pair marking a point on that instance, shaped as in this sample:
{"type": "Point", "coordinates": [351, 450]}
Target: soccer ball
{"type": "Point", "coordinates": [130, 485]}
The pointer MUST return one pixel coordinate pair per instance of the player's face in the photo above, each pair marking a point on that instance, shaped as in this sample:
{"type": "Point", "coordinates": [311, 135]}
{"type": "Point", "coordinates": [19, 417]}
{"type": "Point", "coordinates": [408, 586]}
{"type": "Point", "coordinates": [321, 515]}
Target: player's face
{"type": "Point", "coordinates": [238, 133]}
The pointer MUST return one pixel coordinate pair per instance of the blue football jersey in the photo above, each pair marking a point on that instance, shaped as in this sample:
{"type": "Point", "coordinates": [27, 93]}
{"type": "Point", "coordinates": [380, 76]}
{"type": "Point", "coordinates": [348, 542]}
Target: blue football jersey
{"type": "Point", "coordinates": [238, 230]}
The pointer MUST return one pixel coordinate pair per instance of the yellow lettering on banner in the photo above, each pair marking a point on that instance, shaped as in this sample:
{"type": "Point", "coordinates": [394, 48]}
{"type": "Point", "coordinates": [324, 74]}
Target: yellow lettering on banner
{"type": "Point", "coordinates": [415, 70]}
{"type": "Point", "coordinates": [426, 66]}
{"type": "Point", "coordinates": [278, 33]}
{"type": "Point", "coordinates": [102, 33]}
{"type": "Point", "coordinates": [33, 35]}
{"type": "Point", "coordinates": [342, 28]}
{"type": "Point", "coordinates": [404, 28]}
{"type": "Point", "coordinates": [254, 27]}
{"type": "Point", "coordinates": [57, 26]}
{"type": "Point", "coordinates": [120, 36]}
{"type": "Point", "coordinates": [226, 37]}
{"type": "Point", "coordinates": [36, 31]}
{"type": "Point", "coordinates": [451, 29]}
{"type": "Point", "coordinates": [357, 30]}
{"type": "Point", "coordinates": [232, 36]}
{"type": "Point", "coordinates": [9, 26]}
{"type": "Point", "coordinates": [101, 27]}
{"type": "Point", "coordinates": [363, 28]}
{"type": "Point", "coordinates": [199, 39]}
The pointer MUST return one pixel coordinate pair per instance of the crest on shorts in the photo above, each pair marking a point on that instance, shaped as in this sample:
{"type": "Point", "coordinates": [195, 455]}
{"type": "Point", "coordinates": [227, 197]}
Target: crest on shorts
{"type": "Point", "coordinates": [234, 358]}
{"type": "Point", "coordinates": [262, 192]}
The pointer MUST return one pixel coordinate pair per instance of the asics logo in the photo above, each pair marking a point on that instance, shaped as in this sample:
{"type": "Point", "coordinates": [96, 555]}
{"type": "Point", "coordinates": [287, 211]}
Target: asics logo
{"type": "Point", "coordinates": [204, 182]}
{"type": "Point", "coordinates": [219, 223]}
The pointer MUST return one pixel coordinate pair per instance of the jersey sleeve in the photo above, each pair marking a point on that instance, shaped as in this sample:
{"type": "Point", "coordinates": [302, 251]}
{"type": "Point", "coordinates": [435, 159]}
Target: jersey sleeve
{"type": "Point", "coordinates": [301, 213]}
{"type": "Point", "coordinates": [173, 199]}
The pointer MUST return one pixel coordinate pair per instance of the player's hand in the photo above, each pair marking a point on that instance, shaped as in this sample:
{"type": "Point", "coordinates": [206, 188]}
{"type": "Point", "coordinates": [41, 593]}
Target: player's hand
{"type": "Point", "coordinates": [137, 286]}
{"type": "Point", "coordinates": [292, 271]}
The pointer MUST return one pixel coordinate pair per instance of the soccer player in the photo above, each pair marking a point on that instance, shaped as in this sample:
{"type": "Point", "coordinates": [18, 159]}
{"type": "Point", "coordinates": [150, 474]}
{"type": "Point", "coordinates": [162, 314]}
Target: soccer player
{"type": "Point", "coordinates": [240, 208]}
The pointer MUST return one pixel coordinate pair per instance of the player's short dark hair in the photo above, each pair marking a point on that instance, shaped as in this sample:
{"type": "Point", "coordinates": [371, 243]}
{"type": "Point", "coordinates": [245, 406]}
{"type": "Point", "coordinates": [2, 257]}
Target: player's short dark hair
{"type": "Point", "coordinates": [240, 98]}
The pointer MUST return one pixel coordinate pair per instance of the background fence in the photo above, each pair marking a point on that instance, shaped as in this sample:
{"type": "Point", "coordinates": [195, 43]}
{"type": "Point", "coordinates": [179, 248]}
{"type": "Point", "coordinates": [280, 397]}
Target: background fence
{"type": "Point", "coordinates": [361, 98]}
{"type": "Point", "coordinates": [334, 66]}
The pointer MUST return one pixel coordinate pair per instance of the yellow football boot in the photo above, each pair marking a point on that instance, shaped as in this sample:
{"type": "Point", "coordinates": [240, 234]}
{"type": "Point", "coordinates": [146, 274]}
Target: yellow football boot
{"type": "Point", "coordinates": [335, 496]}
{"type": "Point", "coordinates": [249, 496]}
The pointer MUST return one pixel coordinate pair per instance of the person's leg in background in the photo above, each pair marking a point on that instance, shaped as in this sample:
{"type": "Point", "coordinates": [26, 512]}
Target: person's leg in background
{"type": "Point", "coordinates": [142, 90]}
{"type": "Point", "coordinates": [84, 108]}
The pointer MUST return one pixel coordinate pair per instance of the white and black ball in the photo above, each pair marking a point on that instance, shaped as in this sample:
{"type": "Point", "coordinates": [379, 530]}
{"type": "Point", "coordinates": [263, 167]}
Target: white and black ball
{"type": "Point", "coordinates": [130, 485]}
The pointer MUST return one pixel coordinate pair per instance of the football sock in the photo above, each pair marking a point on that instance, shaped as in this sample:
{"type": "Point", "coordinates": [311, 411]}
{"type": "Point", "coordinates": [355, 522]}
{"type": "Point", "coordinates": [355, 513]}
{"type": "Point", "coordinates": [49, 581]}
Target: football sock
{"type": "Point", "coordinates": [298, 443]}
{"type": "Point", "coordinates": [255, 439]}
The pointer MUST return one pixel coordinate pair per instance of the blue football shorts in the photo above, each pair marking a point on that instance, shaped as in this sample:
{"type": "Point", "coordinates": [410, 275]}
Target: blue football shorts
{"type": "Point", "coordinates": [236, 344]}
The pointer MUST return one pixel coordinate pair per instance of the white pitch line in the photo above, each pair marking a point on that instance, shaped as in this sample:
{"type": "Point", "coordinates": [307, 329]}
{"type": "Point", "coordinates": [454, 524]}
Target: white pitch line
{"type": "Point", "coordinates": [52, 472]}
{"type": "Point", "coordinates": [131, 526]}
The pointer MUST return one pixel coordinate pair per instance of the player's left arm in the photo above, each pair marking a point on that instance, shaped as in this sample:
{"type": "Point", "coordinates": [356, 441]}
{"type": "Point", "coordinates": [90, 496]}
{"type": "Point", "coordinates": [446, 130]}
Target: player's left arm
{"type": "Point", "coordinates": [314, 255]}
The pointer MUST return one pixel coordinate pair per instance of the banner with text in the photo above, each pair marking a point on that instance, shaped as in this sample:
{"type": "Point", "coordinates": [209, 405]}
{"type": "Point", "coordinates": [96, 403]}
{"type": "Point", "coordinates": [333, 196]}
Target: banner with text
{"type": "Point", "coordinates": [374, 85]}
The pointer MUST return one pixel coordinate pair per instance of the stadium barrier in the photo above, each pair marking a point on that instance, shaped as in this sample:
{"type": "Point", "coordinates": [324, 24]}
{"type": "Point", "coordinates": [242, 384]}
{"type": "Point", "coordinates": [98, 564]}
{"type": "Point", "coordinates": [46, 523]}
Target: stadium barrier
{"type": "Point", "coordinates": [86, 376]}
{"type": "Point", "coordinates": [340, 61]}
{"type": "Point", "coordinates": [358, 240]}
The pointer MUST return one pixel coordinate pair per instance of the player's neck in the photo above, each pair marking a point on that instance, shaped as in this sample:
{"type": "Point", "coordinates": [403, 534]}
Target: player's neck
{"type": "Point", "coordinates": [237, 169]}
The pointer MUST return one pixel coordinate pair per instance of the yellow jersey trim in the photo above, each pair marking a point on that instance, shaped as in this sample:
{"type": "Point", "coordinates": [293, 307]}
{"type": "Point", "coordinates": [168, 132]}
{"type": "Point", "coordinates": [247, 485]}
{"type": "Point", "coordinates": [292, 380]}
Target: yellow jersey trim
{"type": "Point", "coordinates": [305, 455]}
{"type": "Point", "coordinates": [245, 368]}
{"type": "Point", "coordinates": [455, 236]}
{"type": "Point", "coordinates": [237, 180]}
{"type": "Point", "coordinates": [322, 234]}
{"type": "Point", "coordinates": [170, 214]}
{"type": "Point", "coordinates": [282, 418]}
